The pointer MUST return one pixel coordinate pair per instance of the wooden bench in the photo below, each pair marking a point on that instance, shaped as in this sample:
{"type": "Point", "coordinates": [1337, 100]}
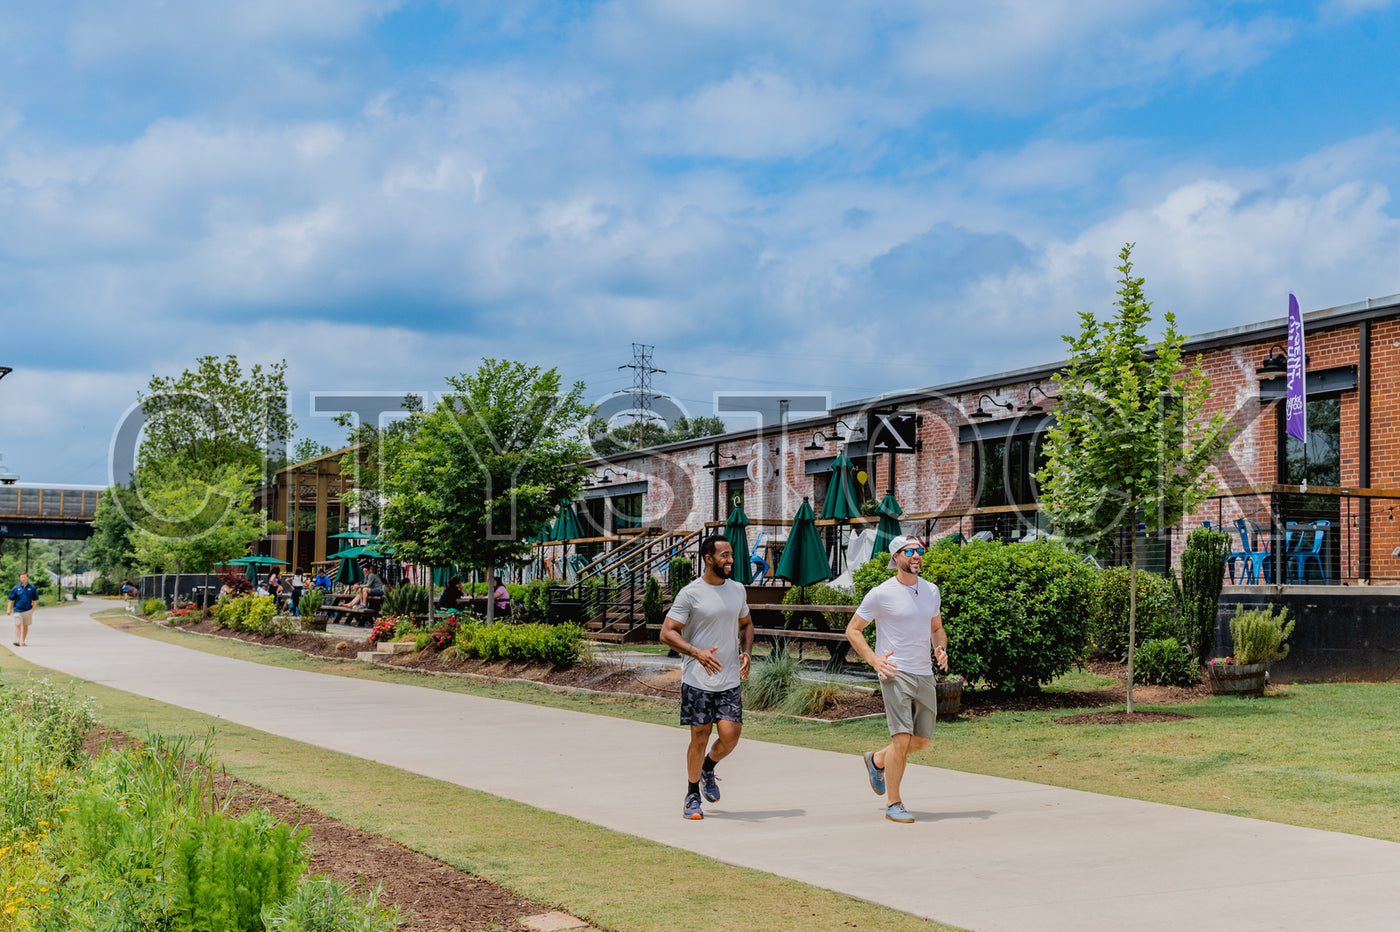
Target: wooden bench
{"type": "Point", "coordinates": [797, 629]}
{"type": "Point", "coordinates": [358, 614]}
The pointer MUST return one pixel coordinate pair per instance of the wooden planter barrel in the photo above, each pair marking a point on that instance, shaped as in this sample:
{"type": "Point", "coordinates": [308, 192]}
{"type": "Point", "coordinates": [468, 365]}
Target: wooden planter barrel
{"type": "Point", "coordinates": [949, 698]}
{"type": "Point", "coordinates": [315, 623]}
{"type": "Point", "coordinates": [1238, 679]}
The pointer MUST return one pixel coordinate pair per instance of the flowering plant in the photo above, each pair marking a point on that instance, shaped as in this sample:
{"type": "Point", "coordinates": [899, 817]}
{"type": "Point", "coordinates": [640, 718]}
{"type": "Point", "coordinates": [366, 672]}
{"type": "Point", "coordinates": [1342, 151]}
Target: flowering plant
{"type": "Point", "coordinates": [445, 634]}
{"type": "Point", "coordinates": [383, 630]}
{"type": "Point", "coordinates": [953, 679]}
{"type": "Point", "coordinates": [1221, 661]}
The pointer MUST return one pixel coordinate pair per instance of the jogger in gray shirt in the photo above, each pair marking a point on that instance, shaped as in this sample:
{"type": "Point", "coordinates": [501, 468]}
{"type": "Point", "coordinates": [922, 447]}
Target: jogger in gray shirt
{"type": "Point", "coordinates": [706, 621]}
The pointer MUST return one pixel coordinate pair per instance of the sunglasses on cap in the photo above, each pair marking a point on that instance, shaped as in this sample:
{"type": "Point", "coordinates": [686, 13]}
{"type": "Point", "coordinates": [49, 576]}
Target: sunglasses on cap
{"type": "Point", "coordinates": [913, 551]}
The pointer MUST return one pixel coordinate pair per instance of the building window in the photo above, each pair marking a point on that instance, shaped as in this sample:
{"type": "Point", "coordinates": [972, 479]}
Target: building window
{"type": "Point", "coordinates": [1004, 474]}
{"type": "Point", "coordinates": [1320, 464]}
{"type": "Point", "coordinates": [627, 512]}
{"type": "Point", "coordinates": [733, 496]}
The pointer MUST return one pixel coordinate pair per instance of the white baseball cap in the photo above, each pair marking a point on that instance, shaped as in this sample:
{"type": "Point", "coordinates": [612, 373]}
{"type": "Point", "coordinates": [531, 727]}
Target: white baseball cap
{"type": "Point", "coordinates": [899, 543]}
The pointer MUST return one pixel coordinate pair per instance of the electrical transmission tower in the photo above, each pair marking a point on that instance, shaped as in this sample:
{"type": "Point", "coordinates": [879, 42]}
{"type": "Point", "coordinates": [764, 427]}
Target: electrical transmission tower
{"type": "Point", "coordinates": [642, 395]}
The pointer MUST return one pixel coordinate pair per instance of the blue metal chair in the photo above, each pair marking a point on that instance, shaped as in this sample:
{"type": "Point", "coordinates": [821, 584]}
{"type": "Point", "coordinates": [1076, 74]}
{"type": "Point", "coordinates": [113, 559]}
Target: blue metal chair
{"type": "Point", "coordinates": [1298, 560]}
{"type": "Point", "coordinates": [758, 565]}
{"type": "Point", "coordinates": [1255, 561]}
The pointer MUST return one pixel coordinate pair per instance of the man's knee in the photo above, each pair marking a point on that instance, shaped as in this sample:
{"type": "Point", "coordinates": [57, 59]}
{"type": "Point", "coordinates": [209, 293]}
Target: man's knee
{"type": "Point", "coordinates": [699, 734]}
{"type": "Point", "coordinates": [900, 742]}
{"type": "Point", "coordinates": [729, 732]}
{"type": "Point", "coordinates": [917, 744]}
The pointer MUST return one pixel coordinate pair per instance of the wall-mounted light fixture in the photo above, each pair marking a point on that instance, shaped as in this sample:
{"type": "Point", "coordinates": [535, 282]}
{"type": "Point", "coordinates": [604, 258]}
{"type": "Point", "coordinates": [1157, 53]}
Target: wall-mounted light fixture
{"type": "Point", "coordinates": [982, 415]}
{"type": "Point", "coordinates": [715, 457]}
{"type": "Point", "coordinates": [607, 477]}
{"type": "Point", "coordinates": [1030, 406]}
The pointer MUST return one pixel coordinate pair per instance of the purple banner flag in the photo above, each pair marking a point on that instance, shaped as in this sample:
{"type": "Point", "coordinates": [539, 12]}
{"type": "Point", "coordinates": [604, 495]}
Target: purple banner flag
{"type": "Point", "coordinates": [1295, 405]}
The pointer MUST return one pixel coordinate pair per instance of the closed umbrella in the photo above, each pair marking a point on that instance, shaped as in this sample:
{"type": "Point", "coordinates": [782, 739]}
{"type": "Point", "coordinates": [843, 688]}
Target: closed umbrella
{"type": "Point", "coordinates": [840, 503]}
{"type": "Point", "coordinates": [889, 512]}
{"type": "Point", "coordinates": [349, 571]}
{"type": "Point", "coordinates": [736, 532]}
{"type": "Point", "coordinates": [566, 528]}
{"type": "Point", "coordinates": [804, 560]}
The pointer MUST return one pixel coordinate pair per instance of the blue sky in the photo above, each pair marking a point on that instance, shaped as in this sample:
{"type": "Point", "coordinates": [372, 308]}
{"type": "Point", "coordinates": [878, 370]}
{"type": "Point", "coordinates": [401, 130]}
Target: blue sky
{"type": "Point", "coordinates": [821, 196]}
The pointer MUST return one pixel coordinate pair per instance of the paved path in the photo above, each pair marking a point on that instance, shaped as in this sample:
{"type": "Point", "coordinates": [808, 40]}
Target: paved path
{"type": "Point", "coordinates": [986, 853]}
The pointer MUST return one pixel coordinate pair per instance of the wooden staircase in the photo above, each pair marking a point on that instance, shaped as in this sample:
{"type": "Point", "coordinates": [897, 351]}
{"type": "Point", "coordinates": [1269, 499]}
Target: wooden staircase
{"type": "Point", "coordinates": [619, 584]}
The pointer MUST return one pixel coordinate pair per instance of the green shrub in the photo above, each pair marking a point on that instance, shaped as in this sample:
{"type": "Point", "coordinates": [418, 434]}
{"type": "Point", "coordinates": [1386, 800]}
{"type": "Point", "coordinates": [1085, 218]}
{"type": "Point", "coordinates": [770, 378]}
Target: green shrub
{"type": "Point", "coordinates": [1259, 634]}
{"type": "Point", "coordinates": [227, 871]}
{"type": "Point", "coordinates": [559, 645]}
{"type": "Point", "coordinates": [407, 599]}
{"type": "Point", "coordinates": [1164, 662]}
{"type": "Point", "coordinates": [1015, 614]}
{"type": "Point", "coordinates": [104, 586]}
{"type": "Point", "coordinates": [1202, 576]}
{"type": "Point", "coordinates": [152, 607]}
{"type": "Point", "coordinates": [812, 699]}
{"type": "Point", "coordinates": [60, 719]}
{"type": "Point", "coordinates": [323, 904]}
{"type": "Point", "coordinates": [1156, 611]}
{"type": "Point", "coordinates": [679, 572]}
{"type": "Point", "coordinates": [771, 681]}
{"type": "Point", "coordinates": [820, 594]}
{"type": "Point", "coordinates": [530, 601]}
{"type": "Point", "coordinates": [260, 612]}
{"type": "Point", "coordinates": [311, 601]}
{"type": "Point", "coordinates": [653, 607]}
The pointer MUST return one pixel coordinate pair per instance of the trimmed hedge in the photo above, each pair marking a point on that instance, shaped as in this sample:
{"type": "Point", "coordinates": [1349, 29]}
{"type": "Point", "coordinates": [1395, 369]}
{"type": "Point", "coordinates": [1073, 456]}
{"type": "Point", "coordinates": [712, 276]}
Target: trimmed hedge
{"type": "Point", "coordinates": [560, 645]}
{"type": "Point", "coordinates": [1164, 662]}
{"type": "Point", "coordinates": [1016, 615]}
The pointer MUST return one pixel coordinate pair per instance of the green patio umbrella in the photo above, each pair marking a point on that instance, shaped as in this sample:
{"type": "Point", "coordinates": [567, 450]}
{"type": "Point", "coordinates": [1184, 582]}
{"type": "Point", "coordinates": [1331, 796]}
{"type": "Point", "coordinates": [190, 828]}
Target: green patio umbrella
{"type": "Point", "coordinates": [889, 512]}
{"type": "Point", "coordinates": [566, 526]}
{"type": "Point", "coordinates": [441, 574]}
{"type": "Point", "coordinates": [736, 532]}
{"type": "Point", "coordinates": [840, 504]}
{"type": "Point", "coordinates": [255, 561]}
{"type": "Point", "coordinates": [356, 552]}
{"type": "Point", "coordinates": [351, 535]}
{"type": "Point", "coordinates": [349, 571]}
{"type": "Point", "coordinates": [804, 559]}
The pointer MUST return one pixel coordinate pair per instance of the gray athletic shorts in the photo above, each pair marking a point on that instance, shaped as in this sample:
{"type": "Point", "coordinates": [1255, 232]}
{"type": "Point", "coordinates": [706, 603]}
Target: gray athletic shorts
{"type": "Point", "coordinates": [911, 703]}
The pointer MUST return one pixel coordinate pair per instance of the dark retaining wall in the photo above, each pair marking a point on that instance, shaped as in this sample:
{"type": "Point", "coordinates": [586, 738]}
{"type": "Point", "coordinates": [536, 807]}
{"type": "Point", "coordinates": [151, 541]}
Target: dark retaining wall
{"type": "Point", "coordinates": [166, 585]}
{"type": "Point", "coordinates": [1342, 632]}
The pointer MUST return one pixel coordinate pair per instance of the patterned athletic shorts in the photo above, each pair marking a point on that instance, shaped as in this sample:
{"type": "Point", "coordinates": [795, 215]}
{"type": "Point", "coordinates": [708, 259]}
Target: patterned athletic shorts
{"type": "Point", "coordinates": [702, 707]}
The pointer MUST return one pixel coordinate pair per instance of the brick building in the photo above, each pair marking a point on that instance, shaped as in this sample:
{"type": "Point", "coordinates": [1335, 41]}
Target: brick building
{"type": "Point", "coordinates": [978, 441]}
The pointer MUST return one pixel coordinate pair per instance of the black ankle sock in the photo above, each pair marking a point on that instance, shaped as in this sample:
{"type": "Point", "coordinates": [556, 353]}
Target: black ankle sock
{"type": "Point", "coordinates": [708, 766]}
{"type": "Point", "coordinates": [693, 788]}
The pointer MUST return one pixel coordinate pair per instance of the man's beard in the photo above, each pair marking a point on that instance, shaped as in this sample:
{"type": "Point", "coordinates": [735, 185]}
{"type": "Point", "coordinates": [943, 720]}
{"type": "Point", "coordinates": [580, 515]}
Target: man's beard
{"type": "Point", "coordinates": [721, 571]}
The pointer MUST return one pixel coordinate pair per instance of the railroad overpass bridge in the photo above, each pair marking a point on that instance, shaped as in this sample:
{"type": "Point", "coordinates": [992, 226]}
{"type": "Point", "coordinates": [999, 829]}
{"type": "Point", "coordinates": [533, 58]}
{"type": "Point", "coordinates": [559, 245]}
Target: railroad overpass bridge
{"type": "Point", "coordinates": [53, 512]}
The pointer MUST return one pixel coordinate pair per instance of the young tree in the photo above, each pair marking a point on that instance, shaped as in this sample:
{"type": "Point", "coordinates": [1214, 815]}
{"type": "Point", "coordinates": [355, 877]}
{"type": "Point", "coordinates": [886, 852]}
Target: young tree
{"type": "Point", "coordinates": [606, 441]}
{"type": "Point", "coordinates": [486, 466]}
{"type": "Point", "coordinates": [1130, 442]}
{"type": "Point", "coordinates": [190, 525]}
{"type": "Point", "coordinates": [110, 548]}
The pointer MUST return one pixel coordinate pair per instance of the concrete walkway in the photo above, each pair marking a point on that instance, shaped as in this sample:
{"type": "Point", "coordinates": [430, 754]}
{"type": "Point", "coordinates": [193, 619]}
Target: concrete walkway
{"type": "Point", "coordinates": [985, 854]}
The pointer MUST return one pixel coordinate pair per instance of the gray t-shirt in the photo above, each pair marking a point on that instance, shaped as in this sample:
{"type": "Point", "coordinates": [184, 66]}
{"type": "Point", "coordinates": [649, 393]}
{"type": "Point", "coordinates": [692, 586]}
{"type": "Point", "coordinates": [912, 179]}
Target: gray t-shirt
{"type": "Point", "coordinates": [903, 622]}
{"type": "Point", "coordinates": [709, 617]}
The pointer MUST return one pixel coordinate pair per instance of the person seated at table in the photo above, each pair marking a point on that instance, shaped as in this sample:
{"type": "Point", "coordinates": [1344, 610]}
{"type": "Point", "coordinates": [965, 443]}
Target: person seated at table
{"type": "Point", "coordinates": [372, 586]}
{"type": "Point", "coordinates": [452, 595]}
{"type": "Point", "coordinates": [502, 596]}
{"type": "Point", "coordinates": [322, 581]}
{"type": "Point", "coordinates": [226, 589]}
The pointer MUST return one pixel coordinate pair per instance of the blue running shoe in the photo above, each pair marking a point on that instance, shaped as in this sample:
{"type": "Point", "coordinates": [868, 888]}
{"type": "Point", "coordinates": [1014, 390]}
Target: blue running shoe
{"type": "Point", "coordinates": [877, 776]}
{"type": "Point", "coordinates": [692, 807]}
{"type": "Point", "coordinates": [709, 785]}
{"type": "Point", "coordinates": [897, 813]}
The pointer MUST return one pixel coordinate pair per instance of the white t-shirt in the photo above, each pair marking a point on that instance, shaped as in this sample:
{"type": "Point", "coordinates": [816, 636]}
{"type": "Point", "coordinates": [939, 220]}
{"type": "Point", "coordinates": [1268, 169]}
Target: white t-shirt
{"type": "Point", "coordinates": [903, 619]}
{"type": "Point", "coordinates": [709, 617]}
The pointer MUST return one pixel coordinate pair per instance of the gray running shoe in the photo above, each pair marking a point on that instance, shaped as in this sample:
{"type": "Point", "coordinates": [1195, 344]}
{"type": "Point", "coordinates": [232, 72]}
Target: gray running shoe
{"type": "Point", "coordinates": [897, 813]}
{"type": "Point", "coordinates": [877, 776]}
{"type": "Point", "coordinates": [709, 785]}
{"type": "Point", "coordinates": [692, 807]}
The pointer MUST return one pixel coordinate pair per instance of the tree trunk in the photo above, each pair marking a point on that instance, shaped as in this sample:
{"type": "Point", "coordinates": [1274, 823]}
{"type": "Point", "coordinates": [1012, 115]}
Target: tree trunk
{"type": "Point", "coordinates": [1132, 616]}
{"type": "Point", "coordinates": [490, 597]}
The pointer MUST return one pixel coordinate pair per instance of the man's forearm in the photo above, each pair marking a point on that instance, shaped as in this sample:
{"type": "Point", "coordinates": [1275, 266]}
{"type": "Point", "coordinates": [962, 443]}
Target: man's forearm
{"type": "Point", "coordinates": [856, 635]}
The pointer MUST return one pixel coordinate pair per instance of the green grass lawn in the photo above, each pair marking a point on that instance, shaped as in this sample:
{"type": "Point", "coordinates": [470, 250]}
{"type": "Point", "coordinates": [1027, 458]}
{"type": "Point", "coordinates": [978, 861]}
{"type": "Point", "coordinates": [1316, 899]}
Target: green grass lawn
{"type": "Point", "coordinates": [1321, 756]}
{"type": "Point", "coordinates": [615, 881]}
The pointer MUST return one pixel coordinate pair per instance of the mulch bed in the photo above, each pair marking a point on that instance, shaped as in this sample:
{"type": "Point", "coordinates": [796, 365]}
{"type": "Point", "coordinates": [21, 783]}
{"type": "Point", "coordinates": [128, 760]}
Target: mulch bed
{"type": "Point", "coordinates": [441, 897]}
{"type": "Point", "coordinates": [1120, 717]}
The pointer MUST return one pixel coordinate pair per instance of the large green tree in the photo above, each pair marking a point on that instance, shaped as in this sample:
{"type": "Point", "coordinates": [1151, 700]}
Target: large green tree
{"type": "Point", "coordinates": [486, 467]}
{"type": "Point", "coordinates": [215, 415]}
{"type": "Point", "coordinates": [191, 525]}
{"type": "Point", "coordinates": [1131, 441]}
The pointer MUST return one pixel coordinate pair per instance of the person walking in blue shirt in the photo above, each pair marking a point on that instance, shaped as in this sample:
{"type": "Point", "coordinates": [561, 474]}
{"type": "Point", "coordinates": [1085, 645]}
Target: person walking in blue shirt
{"type": "Point", "coordinates": [22, 599]}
